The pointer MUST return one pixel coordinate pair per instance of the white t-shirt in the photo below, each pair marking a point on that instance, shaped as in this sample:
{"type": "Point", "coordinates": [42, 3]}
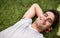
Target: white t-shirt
{"type": "Point", "coordinates": [22, 29]}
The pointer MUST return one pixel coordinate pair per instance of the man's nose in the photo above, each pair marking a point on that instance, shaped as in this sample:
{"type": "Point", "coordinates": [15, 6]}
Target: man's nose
{"type": "Point", "coordinates": [45, 18]}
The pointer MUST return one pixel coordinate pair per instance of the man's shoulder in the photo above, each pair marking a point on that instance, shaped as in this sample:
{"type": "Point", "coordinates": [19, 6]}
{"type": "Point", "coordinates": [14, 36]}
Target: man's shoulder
{"type": "Point", "coordinates": [26, 20]}
{"type": "Point", "coordinates": [39, 35]}
{"type": "Point", "coordinates": [35, 34]}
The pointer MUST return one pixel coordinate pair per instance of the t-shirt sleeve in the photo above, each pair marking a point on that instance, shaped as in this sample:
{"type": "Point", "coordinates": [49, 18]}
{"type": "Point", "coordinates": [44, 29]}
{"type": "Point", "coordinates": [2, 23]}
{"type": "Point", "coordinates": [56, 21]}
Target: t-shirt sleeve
{"type": "Point", "coordinates": [39, 35]}
{"type": "Point", "coordinates": [26, 20]}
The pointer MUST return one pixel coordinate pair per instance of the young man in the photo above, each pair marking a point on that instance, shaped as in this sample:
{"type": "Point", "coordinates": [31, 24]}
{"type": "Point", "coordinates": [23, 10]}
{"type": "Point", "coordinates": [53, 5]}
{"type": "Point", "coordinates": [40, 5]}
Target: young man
{"type": "Point", "coordinates": [26, 29]}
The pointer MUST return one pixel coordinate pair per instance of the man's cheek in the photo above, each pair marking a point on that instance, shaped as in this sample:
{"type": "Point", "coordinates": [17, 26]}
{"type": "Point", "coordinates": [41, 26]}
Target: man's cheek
{"type": "Point", "coordinates": [48, 24]}
{"type": "Point", "coordinates": [45, 27]}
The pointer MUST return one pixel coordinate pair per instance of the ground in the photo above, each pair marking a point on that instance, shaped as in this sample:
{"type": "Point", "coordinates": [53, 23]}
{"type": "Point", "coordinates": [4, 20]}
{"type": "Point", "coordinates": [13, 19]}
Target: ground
{"type": "Point", "coordinates": [11, 11]}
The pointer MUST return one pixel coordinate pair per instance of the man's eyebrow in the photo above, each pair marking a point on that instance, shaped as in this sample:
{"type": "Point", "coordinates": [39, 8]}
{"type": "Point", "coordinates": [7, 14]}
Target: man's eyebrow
{"type": "Point", "coordinates": [46, 14]}
{"type": "Point", "coordinates": [49, 18]}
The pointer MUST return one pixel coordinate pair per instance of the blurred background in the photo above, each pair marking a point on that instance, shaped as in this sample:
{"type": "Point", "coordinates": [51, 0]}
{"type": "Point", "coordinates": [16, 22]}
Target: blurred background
{"type": "Point", "coordinates": [12, 11]}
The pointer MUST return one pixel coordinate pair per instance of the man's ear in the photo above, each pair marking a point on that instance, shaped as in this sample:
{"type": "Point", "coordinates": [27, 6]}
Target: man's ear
{"type": "Point", "coordinates": [48, 30]}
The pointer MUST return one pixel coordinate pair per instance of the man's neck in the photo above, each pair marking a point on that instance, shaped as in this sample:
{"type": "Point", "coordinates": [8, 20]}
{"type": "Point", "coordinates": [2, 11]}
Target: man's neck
{"type": "Point", "coordinates": [36, 27]}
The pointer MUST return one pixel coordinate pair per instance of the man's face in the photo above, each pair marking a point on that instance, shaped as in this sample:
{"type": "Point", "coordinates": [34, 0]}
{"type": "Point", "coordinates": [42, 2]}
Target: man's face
{"type": "Point", "coordinates": [45, 20]}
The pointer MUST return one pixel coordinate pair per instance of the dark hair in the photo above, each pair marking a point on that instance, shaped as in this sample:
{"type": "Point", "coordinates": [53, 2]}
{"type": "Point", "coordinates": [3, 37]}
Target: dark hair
{"type": "Point", "coordinates": [56, 20]}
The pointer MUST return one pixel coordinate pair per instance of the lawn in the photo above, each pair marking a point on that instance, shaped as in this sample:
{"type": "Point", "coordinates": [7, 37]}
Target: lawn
{"type": "Point", "coordinates": [12, 11]}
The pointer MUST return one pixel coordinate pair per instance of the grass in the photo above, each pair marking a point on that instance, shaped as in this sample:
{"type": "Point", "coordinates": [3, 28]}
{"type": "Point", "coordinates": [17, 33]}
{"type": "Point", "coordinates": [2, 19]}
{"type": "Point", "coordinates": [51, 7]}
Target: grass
{"type": "Point", "coordinates": [11, 11]}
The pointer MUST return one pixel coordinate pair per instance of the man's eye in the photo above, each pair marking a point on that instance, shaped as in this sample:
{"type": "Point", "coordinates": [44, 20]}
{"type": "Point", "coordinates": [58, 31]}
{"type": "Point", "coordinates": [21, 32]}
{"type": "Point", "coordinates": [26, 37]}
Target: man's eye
{"type": "Point", "coordinates": [45, 15]}
{"type": "Point", "coordinates": [50, 21]}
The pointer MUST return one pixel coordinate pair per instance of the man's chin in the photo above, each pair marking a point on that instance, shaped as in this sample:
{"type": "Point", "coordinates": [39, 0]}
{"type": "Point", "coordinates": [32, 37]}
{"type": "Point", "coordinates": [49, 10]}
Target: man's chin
{"type": "Point", "coordinates": [40, 27]}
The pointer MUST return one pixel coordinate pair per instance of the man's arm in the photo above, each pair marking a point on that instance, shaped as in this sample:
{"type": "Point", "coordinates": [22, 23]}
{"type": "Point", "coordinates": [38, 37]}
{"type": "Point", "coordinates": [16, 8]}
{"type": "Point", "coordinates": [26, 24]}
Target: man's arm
{"type": "Point", "coordinates": [32, 11]}
{"type": "Point", "coordinates": [38, 10]}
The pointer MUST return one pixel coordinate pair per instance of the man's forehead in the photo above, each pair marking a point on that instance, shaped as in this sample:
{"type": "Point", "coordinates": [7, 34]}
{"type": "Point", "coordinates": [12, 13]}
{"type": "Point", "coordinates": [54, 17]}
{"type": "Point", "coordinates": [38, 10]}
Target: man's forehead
{"type": "Point", "coordinates": [50, 14]}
